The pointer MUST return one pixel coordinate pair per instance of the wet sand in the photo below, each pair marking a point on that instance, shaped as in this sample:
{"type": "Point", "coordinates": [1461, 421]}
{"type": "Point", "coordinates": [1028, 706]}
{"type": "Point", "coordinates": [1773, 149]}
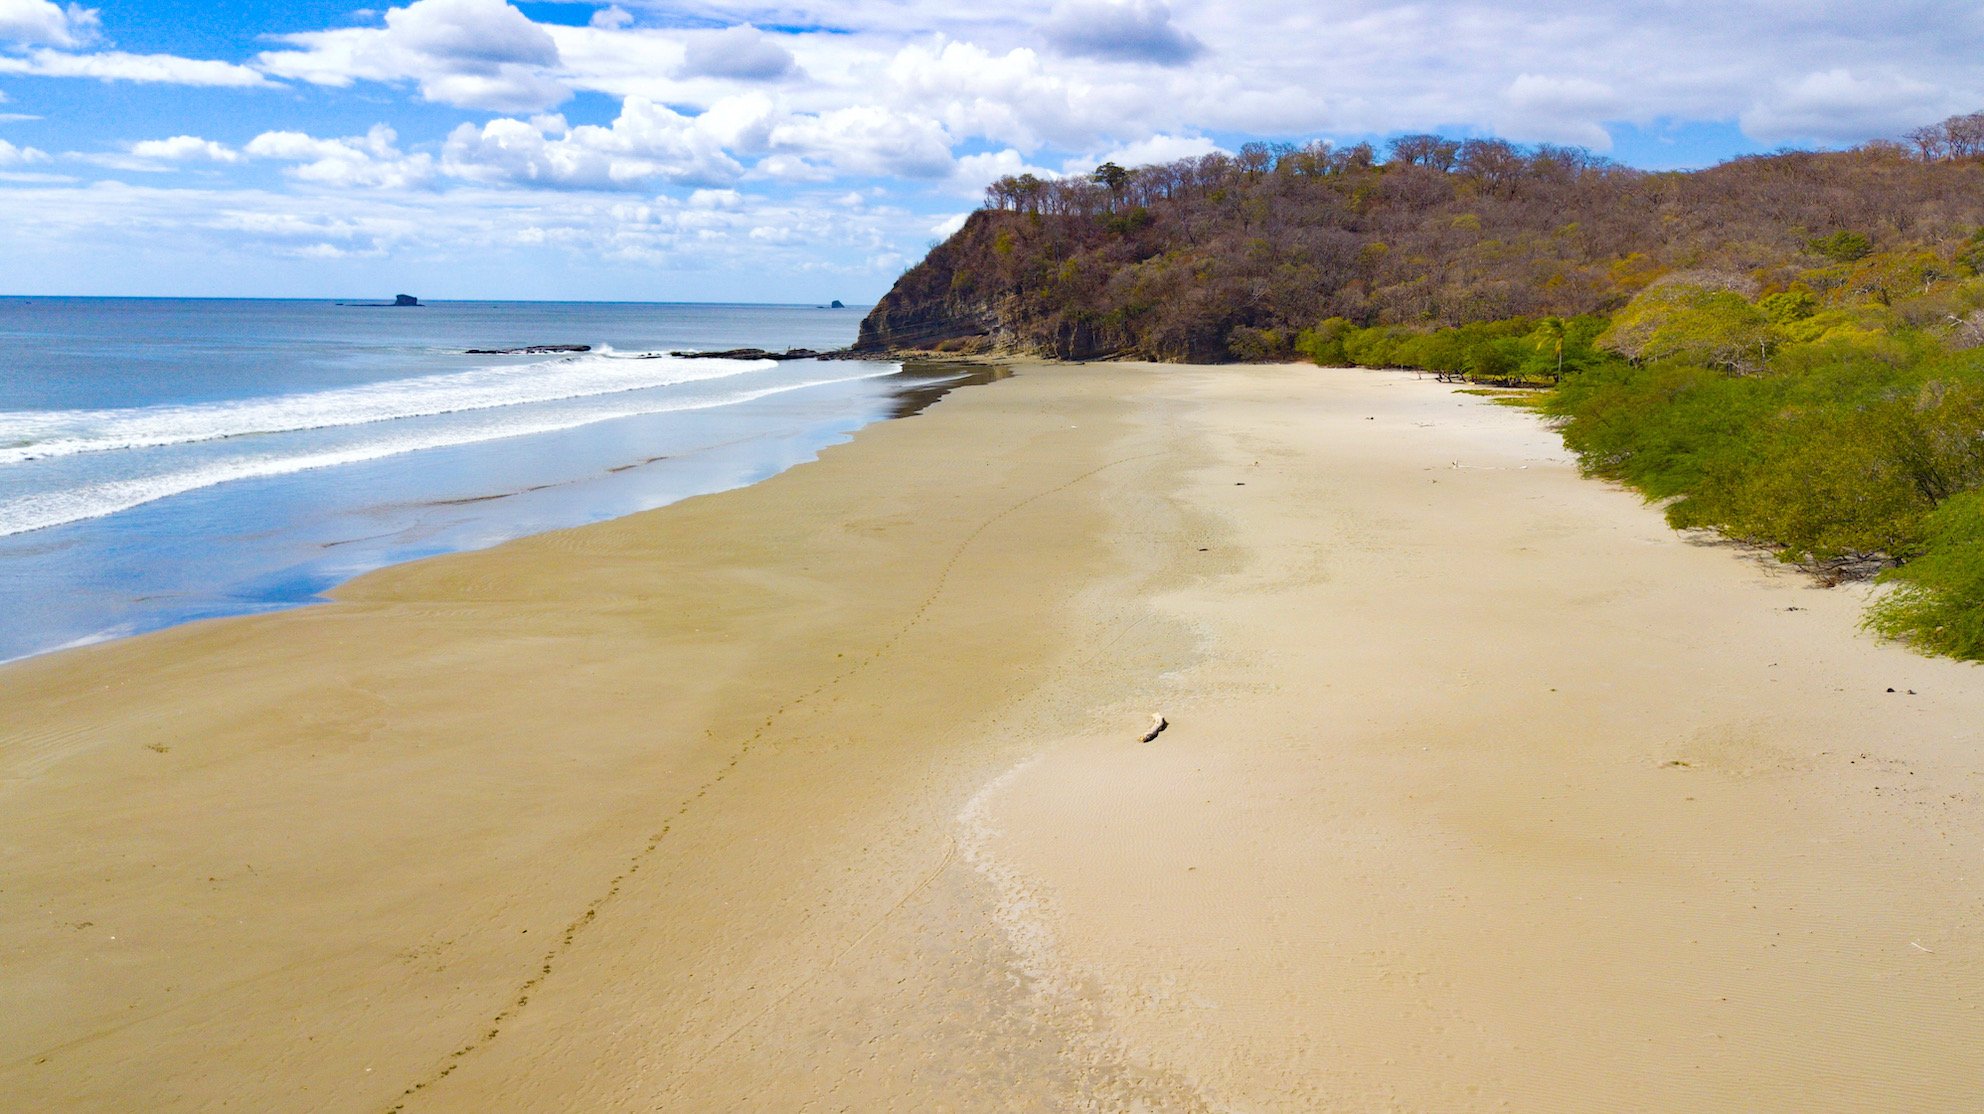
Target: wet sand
{"type": "Point", "coordinates": [1482, 791]}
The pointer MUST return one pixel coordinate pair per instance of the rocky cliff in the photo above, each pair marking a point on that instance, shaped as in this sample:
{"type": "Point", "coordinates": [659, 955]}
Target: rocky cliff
{"type": "Point", "coordinates": [925, 310]}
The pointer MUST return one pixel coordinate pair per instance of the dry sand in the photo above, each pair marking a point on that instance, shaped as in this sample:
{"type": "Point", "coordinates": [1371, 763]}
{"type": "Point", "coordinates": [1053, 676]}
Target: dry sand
{"type": "Point", "coordinates": [1482, 791]}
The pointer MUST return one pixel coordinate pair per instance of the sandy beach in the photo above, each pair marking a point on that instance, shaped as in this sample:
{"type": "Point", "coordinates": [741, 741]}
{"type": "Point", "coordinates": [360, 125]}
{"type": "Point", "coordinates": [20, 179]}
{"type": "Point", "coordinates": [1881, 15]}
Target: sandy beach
{"type": "Point", "coordinates": [1482, 790]}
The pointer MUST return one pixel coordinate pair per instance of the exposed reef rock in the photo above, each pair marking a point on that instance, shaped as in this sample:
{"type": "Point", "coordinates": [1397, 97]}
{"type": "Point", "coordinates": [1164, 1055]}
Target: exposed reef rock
{"type": "Point", "coordinates": [754, 354]}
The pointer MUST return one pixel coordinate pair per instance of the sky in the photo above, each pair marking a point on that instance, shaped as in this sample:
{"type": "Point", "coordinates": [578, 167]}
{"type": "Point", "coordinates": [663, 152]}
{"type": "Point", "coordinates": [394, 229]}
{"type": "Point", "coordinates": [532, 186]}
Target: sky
{"type": "Point", "coordinates": [801, 151]}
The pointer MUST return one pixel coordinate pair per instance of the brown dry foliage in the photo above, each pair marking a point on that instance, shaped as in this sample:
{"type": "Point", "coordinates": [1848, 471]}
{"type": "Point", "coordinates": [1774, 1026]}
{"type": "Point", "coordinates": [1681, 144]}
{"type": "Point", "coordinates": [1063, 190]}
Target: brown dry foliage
{"type": "Point", "coordinates": [1167, 261]}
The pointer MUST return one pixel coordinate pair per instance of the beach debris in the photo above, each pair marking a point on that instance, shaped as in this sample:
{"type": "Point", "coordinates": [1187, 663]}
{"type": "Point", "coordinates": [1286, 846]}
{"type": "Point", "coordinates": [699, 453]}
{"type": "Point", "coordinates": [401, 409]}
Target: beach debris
{"type": "Point", "coordinates": [1157, 725]}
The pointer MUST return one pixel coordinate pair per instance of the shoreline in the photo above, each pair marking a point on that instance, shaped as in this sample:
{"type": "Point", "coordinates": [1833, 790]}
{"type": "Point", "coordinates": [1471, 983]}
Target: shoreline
{"type": "Point", "coordinates": [1481, 788]}
{"type": "Point", "coordinates": [395, 531]}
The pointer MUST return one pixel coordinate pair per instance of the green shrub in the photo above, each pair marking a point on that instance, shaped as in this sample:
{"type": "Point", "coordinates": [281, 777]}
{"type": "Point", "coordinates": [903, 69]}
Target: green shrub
{"type": "Point", "coordinates": [1843, 246]}
{"type": "Point", "coordinates": [1938, 600]}
{"type": "Point", "coordinates": [1817, 484]}
{"type": "Point", "coordinates": [1698, 324]}
{"type": "Point", "coordinates": [1791, 305]}
{"type": "Point", "coordinates": [1324, 343]}
{"type": "Point", "coordinates": [1373, 347]}
{"type": "Point", "coordinates": [1655, 426]}
{"type": "Point", "coordinates": [1969, 257]}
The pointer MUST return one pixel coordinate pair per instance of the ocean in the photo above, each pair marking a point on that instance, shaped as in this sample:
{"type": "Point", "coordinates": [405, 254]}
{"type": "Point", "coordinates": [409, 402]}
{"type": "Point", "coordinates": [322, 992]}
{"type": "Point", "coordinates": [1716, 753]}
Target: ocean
{"type": "Point", "coordinates": [164, 460]}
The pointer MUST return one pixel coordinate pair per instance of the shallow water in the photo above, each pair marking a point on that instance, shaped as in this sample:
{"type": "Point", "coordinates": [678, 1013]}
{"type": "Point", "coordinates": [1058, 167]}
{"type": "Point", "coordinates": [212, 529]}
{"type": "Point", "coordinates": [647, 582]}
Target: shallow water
{"type": "Point", "coordinates": [167, 460]}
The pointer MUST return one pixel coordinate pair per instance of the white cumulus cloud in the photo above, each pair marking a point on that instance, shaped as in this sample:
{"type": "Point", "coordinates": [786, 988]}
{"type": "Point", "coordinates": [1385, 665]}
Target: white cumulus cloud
{"type": "Point", "coordinates": [742, 52]}
{"type": "Point", "coordinates": [42, 23]}
{"type": "Point", "coordinates": [646, 144]}
{"type": "Point", "coordinates": [373, 159]}
{"type": "Point", "coordinates": [468, 53]}
{"type": "Point", "coordinates": [116, 65]}
{"type": "Point", "coordinates": [974, 172]}
{"type": "Point", "coordinates": [1840, 106]}
{"type": "Point", "coordinates": [1123, 31]}
{"type": "Point", "coordinates": [1159, 148]}
{"type": "Point", "coordinates": [1551, 109]}
{"type": "Point", "coordinates": [11, 155]}
{"type": "Point", "coordinates": [1017, 98]}
{"type": "Point", "coordinates": [865, 140]}
{"type": "Point", "coordinates": [184, 148]}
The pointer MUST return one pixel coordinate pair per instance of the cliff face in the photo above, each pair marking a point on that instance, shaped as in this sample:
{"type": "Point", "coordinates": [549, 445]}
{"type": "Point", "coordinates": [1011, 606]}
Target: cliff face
{"type": "Point", "coordinates": [1225, 258]}
{"type": "Point", "coordinates": [924, 309]}
{"type": "Point", "coordinates": [976, 292]}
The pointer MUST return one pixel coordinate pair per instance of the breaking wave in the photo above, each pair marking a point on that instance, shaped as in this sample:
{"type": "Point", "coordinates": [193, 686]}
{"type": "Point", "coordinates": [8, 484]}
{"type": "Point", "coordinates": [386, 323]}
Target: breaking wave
{"type": "Point", "coordinates": [32, 435]}
{"type": "Point", "coordinates": [94, 500]}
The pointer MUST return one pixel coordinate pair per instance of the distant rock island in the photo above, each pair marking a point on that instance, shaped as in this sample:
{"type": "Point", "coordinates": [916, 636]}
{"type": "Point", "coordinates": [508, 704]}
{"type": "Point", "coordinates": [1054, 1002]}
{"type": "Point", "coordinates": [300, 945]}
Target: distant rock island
{"type": "Point", "coordinates": [837, 304]}
{"type": "Point", "coordinates": [398, 300]}
{"type": "Point", "coordinates": [528, 350]}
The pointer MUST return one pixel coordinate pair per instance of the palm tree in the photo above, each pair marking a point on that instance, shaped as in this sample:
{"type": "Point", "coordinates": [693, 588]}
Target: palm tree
{"type": "Point", "coordinates": [1550, 334]}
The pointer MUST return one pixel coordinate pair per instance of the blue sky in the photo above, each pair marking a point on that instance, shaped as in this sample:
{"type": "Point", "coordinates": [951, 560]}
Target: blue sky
{"type": "Point", "coordinates": [801, 150]}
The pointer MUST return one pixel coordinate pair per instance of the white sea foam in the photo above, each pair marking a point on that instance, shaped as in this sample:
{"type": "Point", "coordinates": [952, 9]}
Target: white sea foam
{"type": "Point", "coordinates": [57, 508]}
{"type": "Point", "coordinates": [30, 435]}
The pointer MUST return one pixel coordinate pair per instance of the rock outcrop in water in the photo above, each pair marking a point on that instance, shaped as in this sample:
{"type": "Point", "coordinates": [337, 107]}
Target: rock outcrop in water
{"type": "Point", "coordinates": [529, 350]}
{"type": "Point", "coordinates": [753, 354]}
{"type": "Point", "coordinates": [405, 300]}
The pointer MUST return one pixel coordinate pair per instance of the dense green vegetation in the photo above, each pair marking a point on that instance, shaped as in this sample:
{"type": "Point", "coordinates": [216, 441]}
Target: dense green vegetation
{"type": "Point", "coordinates": [1936, 604]}
{"type": "Point", "coordinates": [1814, 420]}
{"type": "Point", "coordinates": [1787, 349]}
{"type": "Point", "coordinates": [1517, 351]}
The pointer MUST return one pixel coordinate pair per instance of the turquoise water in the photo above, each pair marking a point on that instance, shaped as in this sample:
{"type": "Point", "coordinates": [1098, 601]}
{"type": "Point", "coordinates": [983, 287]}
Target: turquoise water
{"type": "Point", "coordinates": [167, 460]}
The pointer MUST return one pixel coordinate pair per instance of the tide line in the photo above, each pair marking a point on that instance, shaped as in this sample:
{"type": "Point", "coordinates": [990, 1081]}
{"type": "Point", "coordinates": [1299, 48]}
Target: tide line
{"type": "Point", "coordinates": [46, 510]}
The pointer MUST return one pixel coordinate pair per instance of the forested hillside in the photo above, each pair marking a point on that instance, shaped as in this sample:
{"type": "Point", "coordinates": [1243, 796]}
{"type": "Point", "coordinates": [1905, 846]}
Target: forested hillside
{"type": "Point", "coordinates": [1787, 349]}
{"type": "Point", "coordinates": [1226, 257]}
